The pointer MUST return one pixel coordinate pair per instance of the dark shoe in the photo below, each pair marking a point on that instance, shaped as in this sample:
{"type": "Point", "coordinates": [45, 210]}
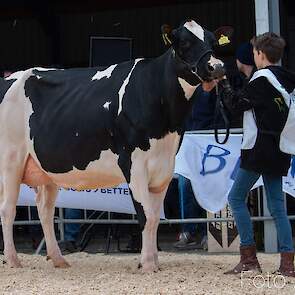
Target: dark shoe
{"type": "Point", "coordinates": [185, 242]}
{"type": "Point", "coordinates": [287, 264]}
{"type": "Point", "coordinates": [247, 262]}
{"type": "Point", "coordinates": [203, 244]}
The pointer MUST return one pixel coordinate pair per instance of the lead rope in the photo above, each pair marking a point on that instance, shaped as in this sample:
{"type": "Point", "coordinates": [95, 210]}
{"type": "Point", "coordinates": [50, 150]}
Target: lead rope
{"type": "Point", "coordinates": [219, 108]}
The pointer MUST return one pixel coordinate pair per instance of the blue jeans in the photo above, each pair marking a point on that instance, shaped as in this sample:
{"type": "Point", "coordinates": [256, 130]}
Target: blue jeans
{"type": "Point", "coordinates": [244, 181]}
{"type": "Point", "coordinates": [72, 229]}
{"type": "Point", "coordinates": [189, 207]}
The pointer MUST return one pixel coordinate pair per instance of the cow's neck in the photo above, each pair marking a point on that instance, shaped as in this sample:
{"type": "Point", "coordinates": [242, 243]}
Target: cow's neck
{"type": "Point", "coordinates": [174, 95]}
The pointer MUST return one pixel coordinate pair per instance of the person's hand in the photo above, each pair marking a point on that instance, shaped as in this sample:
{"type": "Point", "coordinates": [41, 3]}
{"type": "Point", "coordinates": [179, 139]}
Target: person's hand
{"type": "Point", "coordinates": [208, 86]}
{"type": "Point", "coordinates": [224, 83]}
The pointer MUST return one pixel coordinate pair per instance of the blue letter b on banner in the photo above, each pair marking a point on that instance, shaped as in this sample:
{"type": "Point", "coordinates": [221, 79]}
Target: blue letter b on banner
{"type": "Point", "coordinates": [219, 156]}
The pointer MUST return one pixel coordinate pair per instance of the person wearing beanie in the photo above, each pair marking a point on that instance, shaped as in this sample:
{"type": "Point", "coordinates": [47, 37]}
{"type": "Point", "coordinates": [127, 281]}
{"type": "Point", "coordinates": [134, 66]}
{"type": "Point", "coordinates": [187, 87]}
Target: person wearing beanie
{"type": "Point", "coordinates": [245, 59]}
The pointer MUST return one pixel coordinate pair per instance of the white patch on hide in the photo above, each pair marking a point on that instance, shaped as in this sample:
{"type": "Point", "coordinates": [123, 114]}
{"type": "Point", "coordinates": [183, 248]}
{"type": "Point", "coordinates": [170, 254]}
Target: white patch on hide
{"type": "Point", "coordinates": [196, 29]}
{"type": "Point", "coordinates": [213, 62]}
{"type": "Point", "coordinates": [187, 88]}
{"type": "Point", "coordinates": [15, 75]}
{"type": "Point", "coordinates": [123, 87]}
{"type": "Point", "coordinates": [107, 105]}
{"type": "Point", "coordinates": [46, 69]}
{"type": "Point", "coordinates": [28, 73]}
{"type": "Point", "coordinates": [106, 73]}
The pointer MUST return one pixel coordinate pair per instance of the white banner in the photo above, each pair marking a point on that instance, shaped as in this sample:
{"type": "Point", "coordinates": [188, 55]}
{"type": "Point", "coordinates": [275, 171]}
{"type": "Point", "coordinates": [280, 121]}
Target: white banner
{"type": "Point", "coordinates": [115, 199]}
{"type": "Point", "coordinates": [211, 167]}
{"type": "Point", "coordinates": [289, 181]}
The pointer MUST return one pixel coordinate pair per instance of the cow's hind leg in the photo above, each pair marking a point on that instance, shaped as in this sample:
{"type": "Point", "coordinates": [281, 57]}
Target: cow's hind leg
{"type": "Point", "coordinates": [10, 190]}
{"type": "Point", "coordinates": [45, 200]}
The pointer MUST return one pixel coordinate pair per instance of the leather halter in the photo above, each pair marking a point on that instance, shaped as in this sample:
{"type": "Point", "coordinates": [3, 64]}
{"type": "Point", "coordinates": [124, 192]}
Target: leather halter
{"type": "Point", "coordinates": [192, 68]}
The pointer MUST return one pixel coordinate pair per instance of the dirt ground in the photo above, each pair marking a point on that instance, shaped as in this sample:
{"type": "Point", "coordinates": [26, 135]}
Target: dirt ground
{"type": "Point", "coordinates": [181, 273]}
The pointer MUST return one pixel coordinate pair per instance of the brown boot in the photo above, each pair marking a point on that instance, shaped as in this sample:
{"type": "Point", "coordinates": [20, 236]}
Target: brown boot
{"type": "Point", "coordinates": [247, 262]}
{"type": "Point", "coordinates": [287, 264]}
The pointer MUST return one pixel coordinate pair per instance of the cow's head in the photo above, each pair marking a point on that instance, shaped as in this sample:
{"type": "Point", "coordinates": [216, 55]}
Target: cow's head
{"type": "Point", "coordinates": [193, 47]}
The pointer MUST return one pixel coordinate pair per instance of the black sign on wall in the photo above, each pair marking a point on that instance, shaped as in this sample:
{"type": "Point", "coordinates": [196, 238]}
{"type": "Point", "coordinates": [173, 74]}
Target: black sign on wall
{"type": "Point", "coordinates": [105, 51]}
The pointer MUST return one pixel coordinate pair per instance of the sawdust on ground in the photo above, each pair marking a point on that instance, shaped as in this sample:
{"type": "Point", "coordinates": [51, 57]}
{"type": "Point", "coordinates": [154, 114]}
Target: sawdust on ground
{"type": "Point", "coordinates": [181, 273]}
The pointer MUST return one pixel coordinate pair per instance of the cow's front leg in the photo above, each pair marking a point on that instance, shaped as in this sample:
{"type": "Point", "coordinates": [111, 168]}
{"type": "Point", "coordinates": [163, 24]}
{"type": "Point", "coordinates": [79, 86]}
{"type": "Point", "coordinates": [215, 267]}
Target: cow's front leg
{"type": "Point", "coordinates": [147, 259]}
{"type": "Point", "coordinates": [149, 253]}
{"type": "Point", "coordinates": [45, 200]}
{"type": "Point", "coordinates": [158, 200]}
{"type": "Point", "coordinates": [147, 207]}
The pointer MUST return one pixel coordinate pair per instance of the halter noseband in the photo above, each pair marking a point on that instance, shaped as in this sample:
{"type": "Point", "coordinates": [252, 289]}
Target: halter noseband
{"type": "Point", "coordinates": [189, 65]}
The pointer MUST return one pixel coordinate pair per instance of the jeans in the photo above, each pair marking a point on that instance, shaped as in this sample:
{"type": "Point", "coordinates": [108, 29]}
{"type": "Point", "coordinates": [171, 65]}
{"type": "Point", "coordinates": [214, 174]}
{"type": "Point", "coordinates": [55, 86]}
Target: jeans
{"type": "Point", "coordinates": [189, 207]}
{"type": "Point", "coordinates": [244, 181]}
{"type": "Point", "coordinates": [72, 229]}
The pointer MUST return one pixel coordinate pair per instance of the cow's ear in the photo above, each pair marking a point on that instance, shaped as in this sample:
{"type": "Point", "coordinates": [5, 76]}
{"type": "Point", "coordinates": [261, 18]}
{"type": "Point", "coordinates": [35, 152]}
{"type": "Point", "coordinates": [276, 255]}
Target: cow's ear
{"type": "Point", "coordinates": [167, 34]}
{"type": "Point", "coordinates": [223, 35]}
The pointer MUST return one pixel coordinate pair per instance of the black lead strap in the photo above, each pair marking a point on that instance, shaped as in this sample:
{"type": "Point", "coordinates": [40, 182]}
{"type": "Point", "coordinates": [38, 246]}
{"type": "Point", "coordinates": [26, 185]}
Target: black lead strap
{"type": "Point", "coordinates": [219, 108]}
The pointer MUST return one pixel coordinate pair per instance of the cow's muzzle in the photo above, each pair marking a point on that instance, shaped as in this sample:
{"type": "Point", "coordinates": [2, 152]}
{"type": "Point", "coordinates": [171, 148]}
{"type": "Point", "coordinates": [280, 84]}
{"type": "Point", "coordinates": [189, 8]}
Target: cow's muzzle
{"type": "Point", "coordinates": [216, 72]}
{"type": "Point", "coordinates": [195, 67]}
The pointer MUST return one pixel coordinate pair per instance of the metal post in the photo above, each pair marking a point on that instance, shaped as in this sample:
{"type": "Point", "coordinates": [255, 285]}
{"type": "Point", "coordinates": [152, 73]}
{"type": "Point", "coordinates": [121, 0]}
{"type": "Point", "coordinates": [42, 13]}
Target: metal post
{"type": "Point", "coordinates": [29, 213]}
{"type": "Point", "coordinates": [261, 16]}
{"type": "Point", "coordinates": [274, 16]}
{"type": "Point", "coordinates": [61, 224]}
{"type": "Point", "coordinates": [40, 246]}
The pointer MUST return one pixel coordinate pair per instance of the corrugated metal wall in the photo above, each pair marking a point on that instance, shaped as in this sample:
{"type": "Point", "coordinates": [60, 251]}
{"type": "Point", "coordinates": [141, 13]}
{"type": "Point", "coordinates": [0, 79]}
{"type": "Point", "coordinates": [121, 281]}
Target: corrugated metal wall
{"type": "Point", "coordinates": [25, 43]}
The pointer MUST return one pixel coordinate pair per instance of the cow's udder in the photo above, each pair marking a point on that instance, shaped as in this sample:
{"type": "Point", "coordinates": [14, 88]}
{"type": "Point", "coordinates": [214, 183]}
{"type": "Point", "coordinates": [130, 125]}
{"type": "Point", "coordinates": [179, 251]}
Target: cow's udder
{"type": "Point", "coordinates": [33, 175]}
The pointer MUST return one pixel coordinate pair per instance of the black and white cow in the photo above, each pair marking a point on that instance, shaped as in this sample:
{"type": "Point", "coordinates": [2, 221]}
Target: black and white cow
{"type": "Point", "coordinates": [99, 127]}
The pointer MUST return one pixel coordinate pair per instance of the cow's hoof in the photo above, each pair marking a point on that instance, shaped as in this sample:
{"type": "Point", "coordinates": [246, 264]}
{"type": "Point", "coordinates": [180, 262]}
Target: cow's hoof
{"type": "Point", "coordinates": [149, 268]}
{"type": "Point", "coordinates": [59, 262]}
{"type": "Point", "coordinates": [13, 263]}
{"type": "Point", "coordinates": [156, 260]}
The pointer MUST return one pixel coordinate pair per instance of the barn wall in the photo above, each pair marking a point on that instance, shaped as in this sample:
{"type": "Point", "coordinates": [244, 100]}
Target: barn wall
{"type": "Point", "coordinates": [23, 43]}
{"type": "Point", "coordinates": [63, 38]}
{"type": "Point", "coordinates": [287, 16]}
